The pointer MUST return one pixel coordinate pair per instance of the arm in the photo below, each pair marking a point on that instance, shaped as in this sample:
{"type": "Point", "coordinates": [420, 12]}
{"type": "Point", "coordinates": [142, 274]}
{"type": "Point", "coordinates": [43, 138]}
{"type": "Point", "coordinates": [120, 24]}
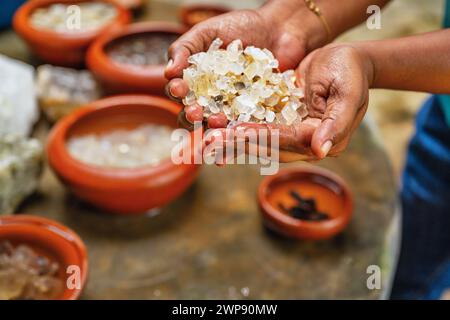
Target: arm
{"type": "Point", "coordinates": [275, 25]}
{"type": "Point", "coordinates": [340, 15]}
{"type": "Point", "coordinates": [418, 63]}
{"type": "Point", "coordinates": [337, 79]}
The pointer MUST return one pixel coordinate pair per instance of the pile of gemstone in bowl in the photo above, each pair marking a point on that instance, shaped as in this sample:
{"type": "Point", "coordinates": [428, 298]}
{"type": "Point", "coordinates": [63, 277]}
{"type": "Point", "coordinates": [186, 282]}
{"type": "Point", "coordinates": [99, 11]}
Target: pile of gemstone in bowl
{"type": "Point", "coordinates": [144, 49]}
{"type": "Point", "coordinates": [60, 18]}
{"type": "Point", "coordinates": [245, 85]}
{"type": "Point", "coordinates": [24, 274]}
{"type": "Point", "coordinates": [62, 90]}
{"type": "Point", "coordinates": [145, 145]}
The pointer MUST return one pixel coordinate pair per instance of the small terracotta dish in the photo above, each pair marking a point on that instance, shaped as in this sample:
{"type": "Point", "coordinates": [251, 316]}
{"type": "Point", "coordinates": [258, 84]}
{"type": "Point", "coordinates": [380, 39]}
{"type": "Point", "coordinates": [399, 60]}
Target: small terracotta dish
{"type": "Point", "coordinates": [52, 240]}
{"type": "Point", "coordinates": [115, 189]}
{"type": "Point", "coordinates": [192, 14]}
{"type": "Point", "coordinates": [61, 48]}
{"type": "Point", "coordinates": [325, 189]}
{"type": "Point", "coordinates": [119, 76]}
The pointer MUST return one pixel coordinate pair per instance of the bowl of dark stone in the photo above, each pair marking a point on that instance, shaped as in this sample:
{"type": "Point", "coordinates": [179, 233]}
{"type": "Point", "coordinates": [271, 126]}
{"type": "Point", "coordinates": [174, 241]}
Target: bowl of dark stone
{"type": "Point", "coordinates": [133, 59]}
{"type": "Point", "coordinates": [306, 202]}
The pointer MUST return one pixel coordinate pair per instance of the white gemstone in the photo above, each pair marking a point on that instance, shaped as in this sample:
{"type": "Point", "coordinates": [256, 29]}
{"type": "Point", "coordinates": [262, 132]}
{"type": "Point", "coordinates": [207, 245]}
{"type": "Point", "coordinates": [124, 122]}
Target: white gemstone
{"type": "Point", "coordinates": [234, 50]}
{"type": "Point", "coordinates": [197, 59]}
{"type": "Point", "coordinates": [213, 107]}
{"type": "Point", "coordinates": [244, 104]}
{"type": "Point", "coordinates": [289, 114]}
{"type": "Point", "coordinates": [273, 64]}
{"type": "Point", "coordinates": [236, 68]}
{"type": "Point", "coordinates": [272, 100]}
{"type": "Point", "coordinates": [190, 98]}
{"type": "Point", "coordinates": [244, 117]}
{"type": "Point", "coordinates": [222, 83]}
{"type": "Point", "coordinates": [298, 92]}
{"type": "Point", "coordinates": [215, 45]}
{"type": "Point", "coordinates": [302, 111]}
{"type": "Point", "coordinates": [269, 54]}
{"type": "Point", "coordinates": [251, 70]}
{"type": "Point", "coordinates": [228, 112]}
{"type": "Point", "coordinates": [294, 105]}
{"type": "Point", "coordinates": [270, 115]}
{"type": "Point", "coordinates": [203, 101]}
{"type": "Point", "coordinates": [259, 113]}
{"type": "Point", "coordinates": [256, 53]}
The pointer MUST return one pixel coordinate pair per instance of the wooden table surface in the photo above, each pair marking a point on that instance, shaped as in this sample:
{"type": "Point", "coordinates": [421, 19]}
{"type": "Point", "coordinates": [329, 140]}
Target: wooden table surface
{"type": "Point", "coordinates": [210, 243]}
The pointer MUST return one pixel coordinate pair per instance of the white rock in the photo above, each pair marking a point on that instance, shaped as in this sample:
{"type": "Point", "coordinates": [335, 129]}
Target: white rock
{"type": "Point", "coordinates": [259, 113]}
{"type": "Point", "coordinates": [215, 45]}
{"type": "Point", "coordinates": [270, 116]}
{"type": "Point", "coordinates": [20, 168]}
{"type": "Point", "coordinates": [244, 104]}
{"type": "Point", "coordinates": [256, 53]}
{"type": "Point", "coordinates": [18, 107]}
{"type": "Point", "coordinates": [244, 117]}
{"type": "Point", "coordinates": [289, 113]}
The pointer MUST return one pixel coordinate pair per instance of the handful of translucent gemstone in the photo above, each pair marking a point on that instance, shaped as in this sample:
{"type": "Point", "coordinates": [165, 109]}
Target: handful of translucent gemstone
{"type": "Point", "coordinates": [243, 85]}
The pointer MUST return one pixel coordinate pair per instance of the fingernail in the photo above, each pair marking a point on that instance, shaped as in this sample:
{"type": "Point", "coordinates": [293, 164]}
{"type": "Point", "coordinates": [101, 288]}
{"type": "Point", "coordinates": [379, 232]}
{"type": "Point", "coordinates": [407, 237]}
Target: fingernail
{"type": "Point", "coordinates": [326, 147]}
{"type": "Point", "coordinates": [171, 94]}
{"type": "Point", "coordinates": [169, 63]}
{"type": "Point", "coordinates": [168, 91]}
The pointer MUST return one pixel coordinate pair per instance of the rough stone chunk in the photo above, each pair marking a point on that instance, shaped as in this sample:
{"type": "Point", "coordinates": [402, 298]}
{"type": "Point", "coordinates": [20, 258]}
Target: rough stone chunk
{"type": "Point", "coordinates": [18, 108]}
{"type": "Point", "coordinates": [20, 168]}
{"type": "Point", "coordinates": [62, 90]}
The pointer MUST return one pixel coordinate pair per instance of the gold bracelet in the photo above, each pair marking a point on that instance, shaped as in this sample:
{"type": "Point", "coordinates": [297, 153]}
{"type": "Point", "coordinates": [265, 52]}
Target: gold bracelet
{"type": "Point", "coordinates": [316, 10]}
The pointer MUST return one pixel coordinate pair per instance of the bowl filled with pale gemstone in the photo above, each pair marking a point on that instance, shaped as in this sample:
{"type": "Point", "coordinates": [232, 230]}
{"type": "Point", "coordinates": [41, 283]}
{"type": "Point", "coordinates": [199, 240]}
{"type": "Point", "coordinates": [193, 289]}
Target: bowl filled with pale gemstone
{"type": "Point", "coordinates": [133, 58]}
{"type": "Point", "coordinates": [60, 31]}
{"type": "Point", "coordinates": [40, 259]}
{"type": "Point", "coordinates": [116, 153]}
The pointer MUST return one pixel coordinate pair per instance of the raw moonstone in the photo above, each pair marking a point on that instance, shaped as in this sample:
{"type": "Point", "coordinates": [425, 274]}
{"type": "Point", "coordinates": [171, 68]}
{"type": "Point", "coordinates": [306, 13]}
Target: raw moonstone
{"type": "Point", "coordinates": [20, 169]}
{"type": "Point", "coordinates": [244, 84]}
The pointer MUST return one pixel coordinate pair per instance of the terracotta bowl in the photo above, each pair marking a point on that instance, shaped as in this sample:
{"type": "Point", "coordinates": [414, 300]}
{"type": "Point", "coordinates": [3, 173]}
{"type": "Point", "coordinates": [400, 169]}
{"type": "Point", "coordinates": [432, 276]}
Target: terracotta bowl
{"type": "Point", "coordinates": [133, 5]}
{"type": "Point", "coordinates": [125, 78]}
{"type": "Point", "coordinates": [66, 49]}
{"type": "Point", "coordinates": [192, 14]}
{"type": "Point", "coordinates": [120, 190]}
{"type": "Point", "coordinates": [330, 192]}
{"type": "Point", "coordinates": [52, 240]}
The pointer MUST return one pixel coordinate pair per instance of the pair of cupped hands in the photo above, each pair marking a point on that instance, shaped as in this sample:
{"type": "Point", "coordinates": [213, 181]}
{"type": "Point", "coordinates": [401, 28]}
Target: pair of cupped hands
{"type": "Point", "coordinates": [336, 79]}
